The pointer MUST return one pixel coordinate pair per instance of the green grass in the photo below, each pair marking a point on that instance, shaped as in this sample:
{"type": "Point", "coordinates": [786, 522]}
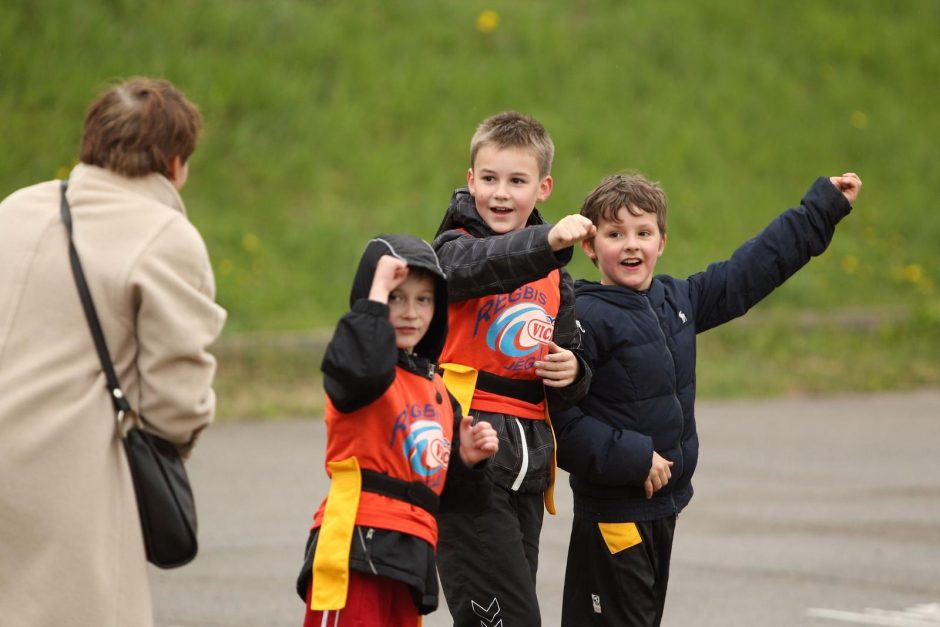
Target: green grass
{"type": "Point", "coordinates": [328, 122]}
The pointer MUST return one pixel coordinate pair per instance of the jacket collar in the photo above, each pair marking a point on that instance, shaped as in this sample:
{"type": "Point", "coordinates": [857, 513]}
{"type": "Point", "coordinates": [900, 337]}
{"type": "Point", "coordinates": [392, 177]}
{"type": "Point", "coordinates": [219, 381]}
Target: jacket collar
{"type": "Point", "coordinates": [154, 186]}
{"type": "Point", "coordinates": [624, 296]}
{"type": "Point", "coordinates": [462, 214]}
{"type": "Point", "coordinates": [416, 364]}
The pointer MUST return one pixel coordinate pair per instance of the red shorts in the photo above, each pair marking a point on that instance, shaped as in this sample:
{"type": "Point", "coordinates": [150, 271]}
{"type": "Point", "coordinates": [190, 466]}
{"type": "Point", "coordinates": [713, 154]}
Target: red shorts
{"type": "Point", "coordinates": [371, 602]}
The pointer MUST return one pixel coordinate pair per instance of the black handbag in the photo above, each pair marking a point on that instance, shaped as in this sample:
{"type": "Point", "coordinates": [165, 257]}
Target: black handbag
{"type": "Point", "coordinates": [164, 498]}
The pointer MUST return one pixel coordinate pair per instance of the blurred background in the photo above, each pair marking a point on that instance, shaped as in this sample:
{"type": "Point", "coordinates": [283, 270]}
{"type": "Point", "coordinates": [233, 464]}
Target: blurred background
{"type": "Point", "coordinates": [328, 122]}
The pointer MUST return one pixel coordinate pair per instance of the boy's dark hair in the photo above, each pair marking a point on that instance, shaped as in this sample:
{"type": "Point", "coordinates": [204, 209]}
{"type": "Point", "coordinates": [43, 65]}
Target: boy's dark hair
{"type": "Point", "coordinates": [629, 190]}
{"type": "Point", "coordinates": [138, 127]}
{"type": "Point", "coordinates": [511, 129]}
{"type": "Point", "coordinates": [422, 273]}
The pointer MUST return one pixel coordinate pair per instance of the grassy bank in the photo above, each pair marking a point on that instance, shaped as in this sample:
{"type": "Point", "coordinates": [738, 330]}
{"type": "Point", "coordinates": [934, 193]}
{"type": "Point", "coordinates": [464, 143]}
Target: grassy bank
{"type": "Point", "coordinates": [328, 122]}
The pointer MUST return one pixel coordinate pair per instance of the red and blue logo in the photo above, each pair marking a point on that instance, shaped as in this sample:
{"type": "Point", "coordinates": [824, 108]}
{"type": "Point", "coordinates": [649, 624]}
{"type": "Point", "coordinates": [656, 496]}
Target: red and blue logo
{"type": "Point", "coordinates": [426, 448]}
{"type": "Point", "coordinates": [520, 330]}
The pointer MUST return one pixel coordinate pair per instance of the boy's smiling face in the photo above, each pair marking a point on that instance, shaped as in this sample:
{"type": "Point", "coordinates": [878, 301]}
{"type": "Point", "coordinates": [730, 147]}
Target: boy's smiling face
{"type": "Point", "coordinates": [506, 186]}
{"type": "Point", "coordinates": [627, 249]}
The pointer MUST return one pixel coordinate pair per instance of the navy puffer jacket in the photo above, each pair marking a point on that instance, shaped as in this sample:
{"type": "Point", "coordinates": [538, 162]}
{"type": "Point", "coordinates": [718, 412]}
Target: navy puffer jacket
{"type": "Point", "coordinates": [641, 348]}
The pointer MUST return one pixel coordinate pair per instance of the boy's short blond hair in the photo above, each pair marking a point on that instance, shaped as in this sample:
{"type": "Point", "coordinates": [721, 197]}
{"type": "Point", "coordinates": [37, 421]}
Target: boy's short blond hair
{"type": "Point", "coordinates": [511, 129]}
{"type": "Point", "coordinates": [629, 190]}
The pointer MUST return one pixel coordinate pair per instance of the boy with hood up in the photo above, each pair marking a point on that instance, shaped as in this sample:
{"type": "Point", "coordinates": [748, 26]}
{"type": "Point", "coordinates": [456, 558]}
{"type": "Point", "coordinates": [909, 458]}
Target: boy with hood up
{"type": "Point", "coordinates": [394, 435]}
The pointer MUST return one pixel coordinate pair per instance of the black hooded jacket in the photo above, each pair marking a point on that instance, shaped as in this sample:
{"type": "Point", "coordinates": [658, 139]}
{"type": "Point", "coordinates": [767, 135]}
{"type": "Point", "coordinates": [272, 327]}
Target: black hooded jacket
{"type": "Point", "coordinates": [359, 365]}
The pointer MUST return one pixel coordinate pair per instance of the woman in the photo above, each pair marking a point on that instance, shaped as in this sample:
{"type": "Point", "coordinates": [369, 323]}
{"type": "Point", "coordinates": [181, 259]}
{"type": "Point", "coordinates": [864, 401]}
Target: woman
{"type": "Point", "coordinates": [72, 548]}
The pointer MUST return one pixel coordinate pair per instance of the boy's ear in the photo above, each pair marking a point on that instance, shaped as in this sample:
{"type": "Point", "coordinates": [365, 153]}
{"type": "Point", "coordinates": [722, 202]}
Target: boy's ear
{"type": "Point", "coordinates": [662, 246]}
{"type": "Point", "coordinates": [587, 245]}
{"type": "Point", "coordinates": [470, 179]}
{"type": "Point", "coordinates": [545, 188]}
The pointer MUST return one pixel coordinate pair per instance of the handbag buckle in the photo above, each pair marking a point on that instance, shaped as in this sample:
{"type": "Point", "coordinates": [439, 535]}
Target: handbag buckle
{"type": "Point", "coordinates": [119, 401]}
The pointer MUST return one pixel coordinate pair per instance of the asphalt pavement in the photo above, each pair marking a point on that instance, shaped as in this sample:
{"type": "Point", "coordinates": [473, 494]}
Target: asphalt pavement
{"type": "Point", "coordinates": [817, 511]}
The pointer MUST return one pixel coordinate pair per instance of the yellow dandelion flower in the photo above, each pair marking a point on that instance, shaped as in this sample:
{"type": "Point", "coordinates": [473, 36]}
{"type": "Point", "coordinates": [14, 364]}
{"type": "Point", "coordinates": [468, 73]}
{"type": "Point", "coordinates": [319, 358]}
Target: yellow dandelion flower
{"type": "Point", "coordinates": [487, 21]}
{"type": "Point", "coordinates": [225, 267]}
{"type": "Point", "coordinates": [859, 120]}
{"type": "Point", "coordinates": [913, 273]}
{"type": "Point", "coordinates": [850, 264]}
{"type": "Point", "coordinates": [250, 242]}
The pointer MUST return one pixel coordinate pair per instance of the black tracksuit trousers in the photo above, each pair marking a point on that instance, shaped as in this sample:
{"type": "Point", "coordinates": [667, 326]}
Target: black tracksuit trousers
{"type": "Point", "coordinates": [487, 560]}
{"type": "Point", "coordinates": [617, 576]}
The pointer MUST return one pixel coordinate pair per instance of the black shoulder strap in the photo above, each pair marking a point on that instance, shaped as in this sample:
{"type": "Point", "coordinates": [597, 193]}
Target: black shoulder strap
{"type": "Point", "coordinates": [121, 406]}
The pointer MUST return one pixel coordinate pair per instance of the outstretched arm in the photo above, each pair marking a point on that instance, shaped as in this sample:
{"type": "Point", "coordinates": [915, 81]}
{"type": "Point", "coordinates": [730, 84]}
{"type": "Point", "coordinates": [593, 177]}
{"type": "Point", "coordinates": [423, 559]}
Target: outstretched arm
{"type": "Point", "coordinates": [727, 289]}
{"type": "Point", "coordinates": [478, 266]}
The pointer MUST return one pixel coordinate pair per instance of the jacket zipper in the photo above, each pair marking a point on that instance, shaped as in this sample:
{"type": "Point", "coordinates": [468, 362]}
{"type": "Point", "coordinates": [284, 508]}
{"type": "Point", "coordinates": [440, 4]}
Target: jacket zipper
{"type": "Point", "coordinates": [662, 333]}
{"type": "Point", "coordinates": [367, 547]}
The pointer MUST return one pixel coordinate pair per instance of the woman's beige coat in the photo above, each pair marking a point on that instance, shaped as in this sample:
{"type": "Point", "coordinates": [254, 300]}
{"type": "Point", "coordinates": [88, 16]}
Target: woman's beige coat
{"type": "Point", "coordinates": [70, 544]}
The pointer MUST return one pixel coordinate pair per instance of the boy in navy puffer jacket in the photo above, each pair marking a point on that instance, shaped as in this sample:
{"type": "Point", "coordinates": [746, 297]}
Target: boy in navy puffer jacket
{"type": "Point", "coordinates": [631, 445]}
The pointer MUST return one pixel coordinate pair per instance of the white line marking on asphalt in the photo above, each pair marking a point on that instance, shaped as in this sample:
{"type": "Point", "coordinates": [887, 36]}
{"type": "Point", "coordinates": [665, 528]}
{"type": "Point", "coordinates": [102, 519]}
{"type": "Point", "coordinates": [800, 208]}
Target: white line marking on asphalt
{"type": "Point", "coordinates": [926, 615]}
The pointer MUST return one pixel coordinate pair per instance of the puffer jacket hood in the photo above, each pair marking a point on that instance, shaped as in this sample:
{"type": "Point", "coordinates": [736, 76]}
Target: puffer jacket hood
{"type": "Point", "coordinates": [417, 253]}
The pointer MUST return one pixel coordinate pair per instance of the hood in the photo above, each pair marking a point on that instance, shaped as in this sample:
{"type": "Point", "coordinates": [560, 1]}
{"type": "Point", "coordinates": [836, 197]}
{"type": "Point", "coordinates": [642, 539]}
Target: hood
{"type": "Point", "coordinates": [462, 214]}
{"type": "Point", "coordinates": [417, 253]}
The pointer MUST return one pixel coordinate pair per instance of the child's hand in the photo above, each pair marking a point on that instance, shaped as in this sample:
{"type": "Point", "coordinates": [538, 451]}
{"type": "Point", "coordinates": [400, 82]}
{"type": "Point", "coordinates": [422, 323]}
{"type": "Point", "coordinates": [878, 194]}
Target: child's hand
{"type": "Point", "coordinates": [559, 368]}
{"type": "Point", "coordinates": [660, 473]}
{"type": "Point", "coordinates": [390, 272]}
{"type": "Point", "coordinates": [477, 441]}
{"type": "Point", "coordinates": [569, 231]}
{"type": "Point", "coordinates": [849, 184]}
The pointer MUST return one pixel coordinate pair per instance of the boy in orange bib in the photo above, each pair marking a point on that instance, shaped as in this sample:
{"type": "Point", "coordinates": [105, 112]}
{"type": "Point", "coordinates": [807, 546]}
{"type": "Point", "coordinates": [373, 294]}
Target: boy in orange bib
{"type": "Point", "coordinates": [509, 360]}
{"type": "Point", "coordinates": [394, 439]}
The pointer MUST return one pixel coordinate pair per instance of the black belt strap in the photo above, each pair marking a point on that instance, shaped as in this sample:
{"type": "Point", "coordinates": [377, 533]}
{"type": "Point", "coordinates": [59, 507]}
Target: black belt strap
{"type": "Point", "coordinates": [412, 492]}
{"type": "Point", "coordinates": [528, 390]}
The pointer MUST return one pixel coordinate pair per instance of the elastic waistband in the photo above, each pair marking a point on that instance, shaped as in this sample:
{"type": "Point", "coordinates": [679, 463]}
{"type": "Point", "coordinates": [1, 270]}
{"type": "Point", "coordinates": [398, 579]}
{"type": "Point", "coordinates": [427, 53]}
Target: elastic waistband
{"type": "Point", "coordinates": [413, 492]}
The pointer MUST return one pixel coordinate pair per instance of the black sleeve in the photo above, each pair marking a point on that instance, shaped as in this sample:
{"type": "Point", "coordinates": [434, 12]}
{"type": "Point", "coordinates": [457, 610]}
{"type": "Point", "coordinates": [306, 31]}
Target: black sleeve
{"type": "Point", "coordinates": [478, 266]}
{"type": "Point", "coordinates": [568, 335]}
{"type": "Point", "coordinates": [466, 489]}
{"type": "Point", "coordinates": [359, 362]}
{"type": "Point", "coordinates": [599, 453]}
{"type": "Point", "coordinates": [727, 289]}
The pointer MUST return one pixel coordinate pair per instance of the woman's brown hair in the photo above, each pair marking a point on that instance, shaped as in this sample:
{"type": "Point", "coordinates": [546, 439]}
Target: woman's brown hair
{"type": "Point", "coordinates": [138, 127]}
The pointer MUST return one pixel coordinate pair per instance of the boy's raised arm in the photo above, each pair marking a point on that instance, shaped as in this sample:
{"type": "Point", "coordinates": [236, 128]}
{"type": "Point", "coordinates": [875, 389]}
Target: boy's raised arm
{"type": "Point", "coordinates": [359, 362]}
{"type": "Point", "coordinates": [727, 289]}
{"type": "Point", "coordinates": [498, 264]}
